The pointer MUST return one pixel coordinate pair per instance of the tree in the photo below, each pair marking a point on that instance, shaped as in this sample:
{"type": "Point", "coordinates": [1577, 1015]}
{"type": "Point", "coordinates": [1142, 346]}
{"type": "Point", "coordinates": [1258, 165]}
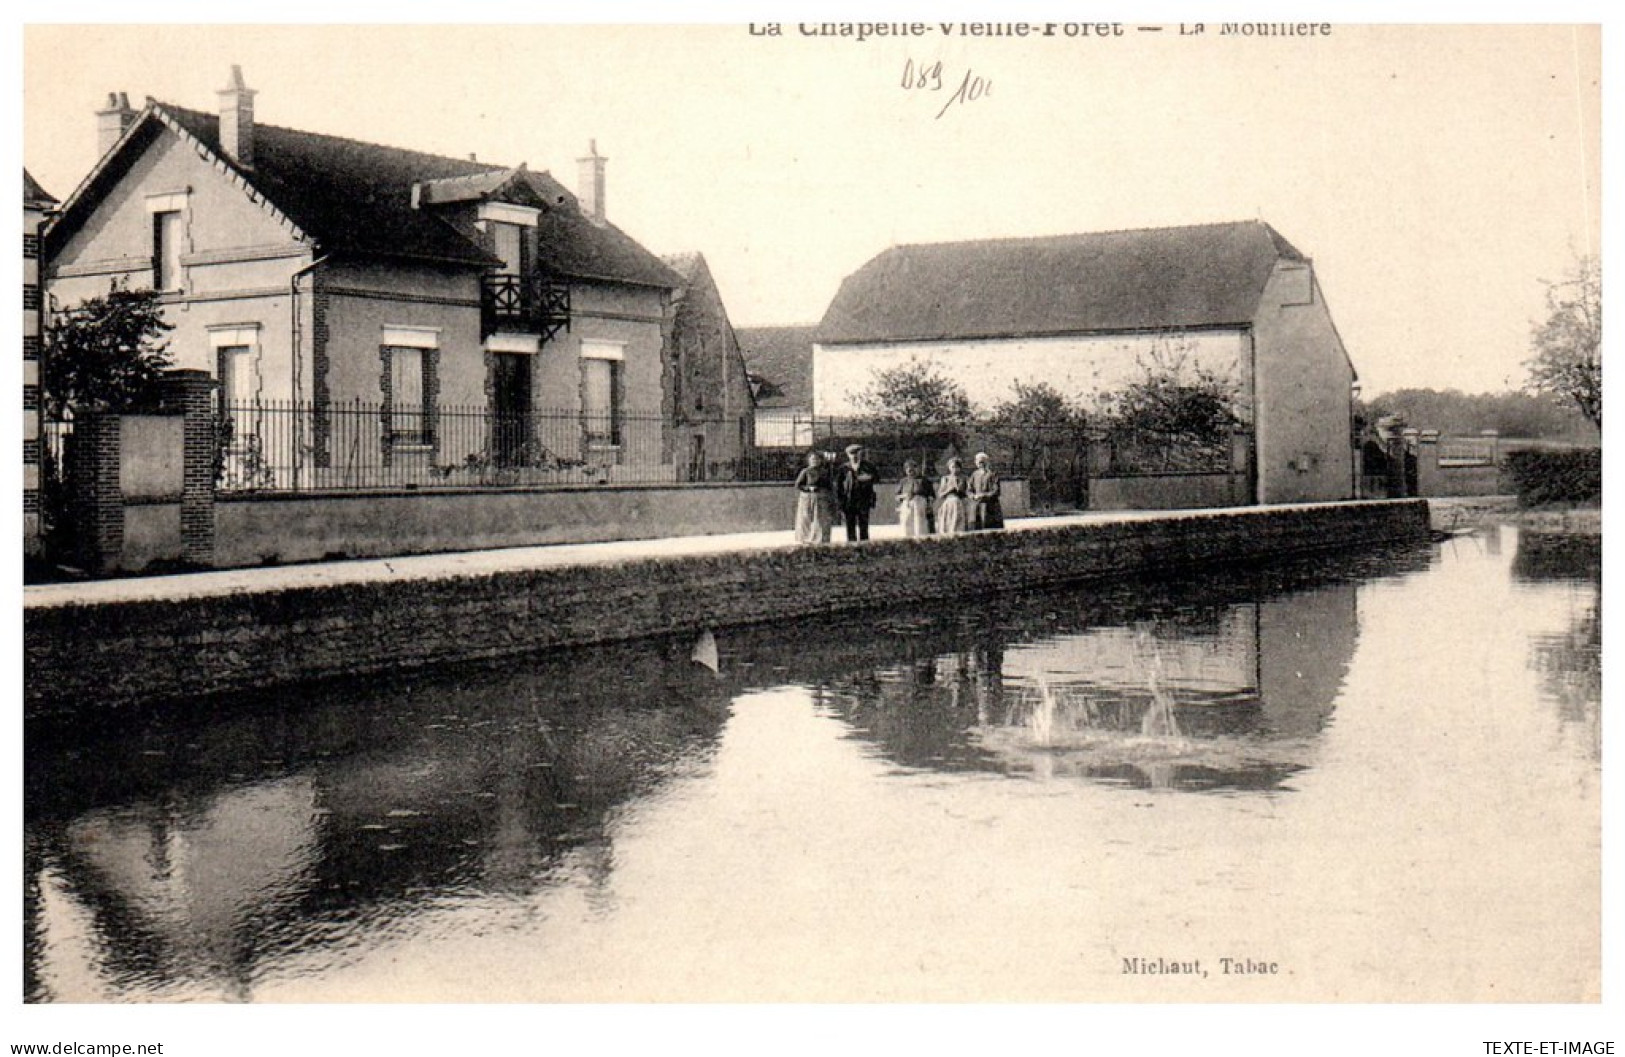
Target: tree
{"type": "Point", "coordinates": [1047, 440]}
{"type": "Point", "coordinates": [105, 353]}
{"type": "Point", "coordinates": [1176, 415]}
{"type": "Point", "coordinates": [914, 396]}
{"type": "Point", "coordinates": [1568, 345]}
{"type": "Point", "coordinates": [1037, 405]}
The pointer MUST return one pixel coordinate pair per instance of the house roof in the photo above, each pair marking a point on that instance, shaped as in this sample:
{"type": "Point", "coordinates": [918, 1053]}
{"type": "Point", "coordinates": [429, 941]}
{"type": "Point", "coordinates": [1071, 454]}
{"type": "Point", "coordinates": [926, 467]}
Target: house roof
{"type": "Point", "coordinates": [352, 197]}
{"type": "Point", "coordinates": [33, 193]}
{"type": "Point", "coordinates": [686, 264]}
{"type": "Point", "coordinates": [779, 360]}
{"type": "Point", "coordinates": [1147, 279]}
{"type": "Point", "coordinates": [355, 198]}
{"type": "Point", "coordinates": [575, 246]}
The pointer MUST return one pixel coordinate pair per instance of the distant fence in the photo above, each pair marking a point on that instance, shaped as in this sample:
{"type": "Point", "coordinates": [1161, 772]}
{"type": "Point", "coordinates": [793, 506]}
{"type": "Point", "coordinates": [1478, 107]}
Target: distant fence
{"type": "Point", "coordinates": [1064, 463]}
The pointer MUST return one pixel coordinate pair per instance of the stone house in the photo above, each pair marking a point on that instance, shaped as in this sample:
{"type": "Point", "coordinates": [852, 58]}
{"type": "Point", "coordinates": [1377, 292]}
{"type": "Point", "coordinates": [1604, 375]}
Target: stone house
{"type": "Point", "coordinates": [1085, 312]}
{"type": "Point", "coordinates": [422, 311]}
{"type": "Point", "coordinates": [780, 363]}
{"type": "Point", "coordinates": [37, 205]}
{"type": "Point", "coordinates": [712, 411]}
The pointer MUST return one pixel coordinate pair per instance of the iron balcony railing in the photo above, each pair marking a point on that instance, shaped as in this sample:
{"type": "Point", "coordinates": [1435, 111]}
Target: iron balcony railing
{"type": "Point", "coordinates": [527, 304]}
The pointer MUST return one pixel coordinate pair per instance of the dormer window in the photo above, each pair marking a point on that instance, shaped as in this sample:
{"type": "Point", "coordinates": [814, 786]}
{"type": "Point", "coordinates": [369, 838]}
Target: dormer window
{"type": "Point", "coordinates": [507, 242]}
{"type": "Point", "coordinates": [506, 224]}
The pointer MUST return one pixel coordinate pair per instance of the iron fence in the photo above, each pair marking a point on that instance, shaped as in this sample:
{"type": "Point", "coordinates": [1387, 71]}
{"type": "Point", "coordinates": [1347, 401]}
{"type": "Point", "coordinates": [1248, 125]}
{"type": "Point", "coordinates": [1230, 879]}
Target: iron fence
{"type": "Point", "coordinates": [360, 446]}
{"type": "Point", "coordinates": [1058, 459]}
{"type": "Point", "coordinates": [349, 446]}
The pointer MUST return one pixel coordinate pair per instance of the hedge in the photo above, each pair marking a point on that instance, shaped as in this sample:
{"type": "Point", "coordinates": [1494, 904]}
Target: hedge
{"type": "Point", "coordinates": [1542, 477]}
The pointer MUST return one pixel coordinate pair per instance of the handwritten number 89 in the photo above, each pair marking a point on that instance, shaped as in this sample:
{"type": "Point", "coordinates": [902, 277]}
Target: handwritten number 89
{"type": "Point", "coordinates": [923, 76]}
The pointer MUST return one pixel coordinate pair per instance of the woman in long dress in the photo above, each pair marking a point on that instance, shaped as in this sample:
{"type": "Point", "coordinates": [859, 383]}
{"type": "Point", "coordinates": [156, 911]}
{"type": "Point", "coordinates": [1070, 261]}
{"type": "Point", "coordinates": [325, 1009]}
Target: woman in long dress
{"type": "Point", "coordinates": [914, 495]}
{"type": "Point", "coordinates": [951, 493]}
{"type": "Point", "coordinates": [815, 501]}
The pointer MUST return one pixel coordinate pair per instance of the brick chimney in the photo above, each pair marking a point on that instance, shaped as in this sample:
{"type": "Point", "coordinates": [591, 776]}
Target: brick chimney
{"type": "Point", "coordinates": [237, 120]}
{"type": "Point", "coordinates": [112, 121]}
{"type": "Point", "coordinates": [590, 183]}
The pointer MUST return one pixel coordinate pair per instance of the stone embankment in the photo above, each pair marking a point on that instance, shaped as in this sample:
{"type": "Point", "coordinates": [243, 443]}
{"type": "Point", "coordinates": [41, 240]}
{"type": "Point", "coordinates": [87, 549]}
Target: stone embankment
{"type": "Point", "coordinates": [95, 647]}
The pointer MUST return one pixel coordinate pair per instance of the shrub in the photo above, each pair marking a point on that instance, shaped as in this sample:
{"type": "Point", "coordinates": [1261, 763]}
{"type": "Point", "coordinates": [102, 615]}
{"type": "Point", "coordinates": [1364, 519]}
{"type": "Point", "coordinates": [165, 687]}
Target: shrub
{"type": "Point", "coordinates": [1542, 477]}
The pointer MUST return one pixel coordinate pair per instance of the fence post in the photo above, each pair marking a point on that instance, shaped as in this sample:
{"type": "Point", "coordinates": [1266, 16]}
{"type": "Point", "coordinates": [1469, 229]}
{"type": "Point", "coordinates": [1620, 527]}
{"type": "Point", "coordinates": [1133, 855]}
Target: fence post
{"type": "Point", "coordinates": [1429, 481]}
{"type": "Point", "coordinates": [1395, 445]}
{"type": "Point", "coordinates": [1241, 458]}
{"type": "Point", "coordinates": [193, 393]}
{"type": "Point", "coordinates": [96, 502]}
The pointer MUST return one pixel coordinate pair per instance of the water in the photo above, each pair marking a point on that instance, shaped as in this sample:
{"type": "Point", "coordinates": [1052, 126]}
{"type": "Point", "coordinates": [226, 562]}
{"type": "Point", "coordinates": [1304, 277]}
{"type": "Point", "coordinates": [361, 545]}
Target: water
{"type": "Point", "coordinates": [1379, 774]}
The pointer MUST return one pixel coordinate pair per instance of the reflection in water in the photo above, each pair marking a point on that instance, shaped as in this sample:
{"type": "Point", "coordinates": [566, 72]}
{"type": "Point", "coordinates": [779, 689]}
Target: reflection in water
{"type": "Point", "coordinates": [1570, 661]}
{"type": "Point", "coordinates": [718, 800]}
{"type": "Point", "coordinates": [210, 847]}
{"type": "Point", "coordinates": [1165, 685]}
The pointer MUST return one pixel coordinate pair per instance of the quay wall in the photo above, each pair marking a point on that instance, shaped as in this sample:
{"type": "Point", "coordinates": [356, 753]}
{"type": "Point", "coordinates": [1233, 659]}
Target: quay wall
{"type": "Point", "coordinates": [88, 658]}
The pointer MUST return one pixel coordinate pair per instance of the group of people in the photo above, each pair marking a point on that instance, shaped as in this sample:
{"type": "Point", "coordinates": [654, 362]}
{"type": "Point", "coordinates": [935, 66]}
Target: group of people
{"type": "Point", "coordinates": [956, 503]}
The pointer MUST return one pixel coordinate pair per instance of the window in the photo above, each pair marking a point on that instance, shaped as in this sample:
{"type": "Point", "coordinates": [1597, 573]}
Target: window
{"type": "Point", "coordinates": [408, 410]}
{"type": "Point", "coordinates": [246, 455]}
{"type": "Point", "coordinates": [507, 239]}
{"type": "Point", "coordinates": [601, 391]}
{"type": "Point", "coordinates": [236, 350]}
{"type": "Point", "coordinates": [408, 382]}
{"type": "Point", "coordinates": [168, 211]}
{"type": "Point", "coordinates": [167, 234]}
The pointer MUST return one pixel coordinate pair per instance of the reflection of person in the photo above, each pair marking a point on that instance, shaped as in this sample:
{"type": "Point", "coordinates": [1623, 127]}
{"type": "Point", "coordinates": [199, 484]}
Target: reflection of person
{"type": "Point", "coordinates": [815, 501]}
{"type": "Point", "coordinates": [914, 495]}
{"type": "Point", "coordinates": [984, 496]}
{"type": "Point", "coordinates": [952, 491]}
{"type": "Point", "coordinates": [855, 492]}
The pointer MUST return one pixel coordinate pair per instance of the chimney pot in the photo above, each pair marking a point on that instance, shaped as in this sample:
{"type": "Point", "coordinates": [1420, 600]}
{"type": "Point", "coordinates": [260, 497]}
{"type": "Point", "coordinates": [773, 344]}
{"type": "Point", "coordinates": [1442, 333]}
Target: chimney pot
{"type": "Point", "coordinates": [590, 183]}
{"type": "Point", "coordinates": [237, 120]}
{"type": "Point", "coordinates": [113, 121]}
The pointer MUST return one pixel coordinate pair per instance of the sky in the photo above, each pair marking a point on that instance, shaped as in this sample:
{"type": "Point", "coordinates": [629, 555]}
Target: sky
{"type": "Point", "coordinates": [1436, 174]}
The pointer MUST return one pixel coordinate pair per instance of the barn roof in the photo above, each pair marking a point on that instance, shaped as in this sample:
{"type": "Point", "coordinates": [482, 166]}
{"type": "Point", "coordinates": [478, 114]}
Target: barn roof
{"type": "Point", "coordinates": [1147, 279]}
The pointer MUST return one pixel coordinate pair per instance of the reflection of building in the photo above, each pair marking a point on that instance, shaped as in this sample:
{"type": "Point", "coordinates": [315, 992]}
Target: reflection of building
{"type": "Point", "coordinates": [1072, 683]}
{"type": "Point", "coordinates": [261, 840]}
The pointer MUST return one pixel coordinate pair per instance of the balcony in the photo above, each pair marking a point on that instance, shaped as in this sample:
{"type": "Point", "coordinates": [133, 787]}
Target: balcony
{"type": "Point", "coordinates": [524, 304]}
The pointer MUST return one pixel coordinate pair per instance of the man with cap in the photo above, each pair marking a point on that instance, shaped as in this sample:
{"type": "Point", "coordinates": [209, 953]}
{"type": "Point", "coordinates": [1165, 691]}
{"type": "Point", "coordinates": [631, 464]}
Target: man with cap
{"type": "Point", "coordinates": [855, 492]}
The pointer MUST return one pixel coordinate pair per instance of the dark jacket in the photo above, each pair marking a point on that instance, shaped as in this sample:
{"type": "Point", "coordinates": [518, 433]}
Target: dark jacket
{"type": "Point", "coordinates": [855, 485]}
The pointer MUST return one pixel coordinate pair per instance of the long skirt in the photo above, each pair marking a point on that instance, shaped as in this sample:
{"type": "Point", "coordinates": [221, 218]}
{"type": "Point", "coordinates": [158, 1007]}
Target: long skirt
{"type": "Point", "coordinates": [987, 515]}
{"type": "Point", "coordinates": [951, 516]}
{"type": "Point", "coordinates": [915, 515]}
{"type": "Point", "coordinates": [815, 515]}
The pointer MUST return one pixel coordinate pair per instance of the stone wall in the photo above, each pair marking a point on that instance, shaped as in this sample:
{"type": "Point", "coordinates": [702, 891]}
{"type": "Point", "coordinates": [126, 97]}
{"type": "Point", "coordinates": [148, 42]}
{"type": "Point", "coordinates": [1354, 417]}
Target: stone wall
{"type": "Point", "coordinates": [87, 658]}
{"type": "Point", "coordinates": [259, 530]}
{"type": "Point", "coordinates": [1172, 491]}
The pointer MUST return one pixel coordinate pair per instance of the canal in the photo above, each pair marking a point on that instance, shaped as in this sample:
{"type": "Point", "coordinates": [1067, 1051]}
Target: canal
{"type": "Point", "coordinates": [1372, 777]}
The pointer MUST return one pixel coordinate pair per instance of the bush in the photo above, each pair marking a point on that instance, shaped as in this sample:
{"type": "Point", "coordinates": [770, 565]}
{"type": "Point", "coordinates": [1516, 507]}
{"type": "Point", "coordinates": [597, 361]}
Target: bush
{"type": "Point", "coordinates": [1542, 477]}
